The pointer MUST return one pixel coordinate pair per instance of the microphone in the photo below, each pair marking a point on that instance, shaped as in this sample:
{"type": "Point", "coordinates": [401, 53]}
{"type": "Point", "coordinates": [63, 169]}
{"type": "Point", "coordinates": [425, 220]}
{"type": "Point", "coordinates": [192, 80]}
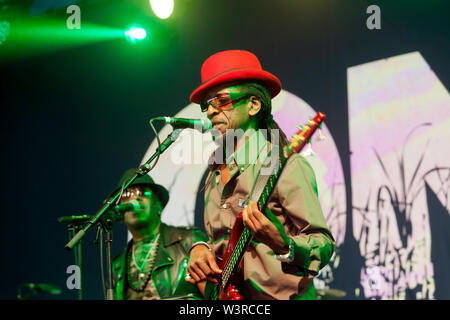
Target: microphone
{"type": "Point", "coordinates": [69, 219]}
{"type": "Point", "coordinates": [199, 124]}
{"type": "Point", "coordinates": [43, 287]}
{"type": "Point", "coordinates": [129, 206]}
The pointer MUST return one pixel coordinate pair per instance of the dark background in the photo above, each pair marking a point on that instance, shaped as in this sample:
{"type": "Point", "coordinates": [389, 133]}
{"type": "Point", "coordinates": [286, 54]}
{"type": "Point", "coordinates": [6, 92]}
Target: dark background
{"type": "Point", "coordinates": [73, 120]}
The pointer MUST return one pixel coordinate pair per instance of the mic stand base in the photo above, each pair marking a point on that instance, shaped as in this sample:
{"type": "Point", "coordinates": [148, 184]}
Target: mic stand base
{"type": "Point", "coordinates": [108, 240]}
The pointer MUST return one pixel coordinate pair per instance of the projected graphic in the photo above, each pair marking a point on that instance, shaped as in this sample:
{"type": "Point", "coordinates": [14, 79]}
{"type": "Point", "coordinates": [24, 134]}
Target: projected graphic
{"type": "Point", "coordinates": [399, 115]}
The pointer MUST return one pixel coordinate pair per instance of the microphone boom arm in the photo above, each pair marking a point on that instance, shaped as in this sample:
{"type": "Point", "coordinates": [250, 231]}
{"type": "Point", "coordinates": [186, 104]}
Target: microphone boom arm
{"type": "Point", "coordinates": [142, 170]}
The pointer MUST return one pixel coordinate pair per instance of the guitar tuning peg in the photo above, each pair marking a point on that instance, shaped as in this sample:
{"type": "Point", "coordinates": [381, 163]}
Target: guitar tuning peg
{"type": "Point", "coordinates": [308, 152]}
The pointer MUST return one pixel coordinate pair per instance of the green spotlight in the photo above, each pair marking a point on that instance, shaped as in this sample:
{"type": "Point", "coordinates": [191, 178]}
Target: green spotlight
{"type": "Point", "coordinates": [135, 33]}
{"type": "Point", "coordinates": [36, 35]}
{"type": "Point", "coordinates": [162, 8]}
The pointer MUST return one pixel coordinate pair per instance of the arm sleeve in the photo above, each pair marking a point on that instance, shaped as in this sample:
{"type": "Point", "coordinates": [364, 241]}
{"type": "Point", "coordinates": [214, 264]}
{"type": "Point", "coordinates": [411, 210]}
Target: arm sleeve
{"type": "Point", "coordinates": [304, 220]}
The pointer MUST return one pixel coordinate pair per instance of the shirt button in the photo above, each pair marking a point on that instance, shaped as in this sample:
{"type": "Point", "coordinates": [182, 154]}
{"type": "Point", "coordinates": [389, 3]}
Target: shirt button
{"type": "Point", "coordinates": [224, 206]}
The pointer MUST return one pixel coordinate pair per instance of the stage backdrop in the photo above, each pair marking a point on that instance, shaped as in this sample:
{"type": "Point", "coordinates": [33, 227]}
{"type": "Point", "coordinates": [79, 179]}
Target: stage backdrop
{"type": "Point", "coordinates": [399, 115]}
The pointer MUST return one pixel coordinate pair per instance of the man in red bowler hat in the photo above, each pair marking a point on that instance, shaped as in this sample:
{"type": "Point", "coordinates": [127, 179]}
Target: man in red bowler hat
{"type": "Point", "coordinates": [291, 240]}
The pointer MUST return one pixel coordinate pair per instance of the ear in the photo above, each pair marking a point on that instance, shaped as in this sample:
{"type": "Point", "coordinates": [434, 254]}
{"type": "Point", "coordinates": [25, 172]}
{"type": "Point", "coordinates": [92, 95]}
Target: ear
{"type": "Point", "coordinates": [254, 106]}
{"type": "Point", "coordinates": [159, 207]}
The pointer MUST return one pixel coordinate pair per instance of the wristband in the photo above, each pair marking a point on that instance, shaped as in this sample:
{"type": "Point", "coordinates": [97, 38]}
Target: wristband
{"type": "Point", "coordinates": [198, 243]}
{"type": "Point", "coordinates": [287, 257]}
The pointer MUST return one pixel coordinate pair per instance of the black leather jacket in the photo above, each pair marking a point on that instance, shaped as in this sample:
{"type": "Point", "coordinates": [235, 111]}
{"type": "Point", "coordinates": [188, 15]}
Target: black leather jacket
{"type": "Point", "coordinates": [169, 273]}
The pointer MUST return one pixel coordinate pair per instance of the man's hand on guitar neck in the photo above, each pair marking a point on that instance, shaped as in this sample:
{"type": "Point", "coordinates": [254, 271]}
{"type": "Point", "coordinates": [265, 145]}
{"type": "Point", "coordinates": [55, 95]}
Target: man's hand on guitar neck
{"type": "Point", "coordinates": [269, 232]}
{"type": "Point", "coordinates": [202, 265]}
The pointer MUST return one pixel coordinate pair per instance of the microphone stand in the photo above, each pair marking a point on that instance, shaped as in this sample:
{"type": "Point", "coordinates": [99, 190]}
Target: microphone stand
{"type": "Point", "coordinates": [142, 170]}
{"type": "Point", "coordinates": [73, 228]}
{"type": "Point", "coordinates": [74, 225]}
{"type": "Point", "coordinates": [107, 226]}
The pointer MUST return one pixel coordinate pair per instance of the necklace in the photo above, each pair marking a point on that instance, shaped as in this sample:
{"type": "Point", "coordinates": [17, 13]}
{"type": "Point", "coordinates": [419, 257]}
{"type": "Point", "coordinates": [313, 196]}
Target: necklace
{"type": "Point", "coordinates": [151, 247]}
{"type": "Point", "coordinates": [144, 269]}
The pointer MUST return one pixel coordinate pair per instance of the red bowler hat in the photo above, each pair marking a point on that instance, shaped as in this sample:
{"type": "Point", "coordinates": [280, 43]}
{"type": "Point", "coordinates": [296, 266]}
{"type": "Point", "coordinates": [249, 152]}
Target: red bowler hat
{"type": "Point", "coordinates": [232, 65]}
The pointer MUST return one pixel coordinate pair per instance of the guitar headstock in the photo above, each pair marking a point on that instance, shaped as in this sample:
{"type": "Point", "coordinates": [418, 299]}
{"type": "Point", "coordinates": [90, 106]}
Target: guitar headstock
{"type": "Point", "coordinates": [303, 136]}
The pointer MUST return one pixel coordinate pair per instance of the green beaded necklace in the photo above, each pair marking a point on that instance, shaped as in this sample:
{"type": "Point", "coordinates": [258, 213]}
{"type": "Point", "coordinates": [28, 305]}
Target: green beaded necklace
{"type": "Point", "coordinates": [152, 253]}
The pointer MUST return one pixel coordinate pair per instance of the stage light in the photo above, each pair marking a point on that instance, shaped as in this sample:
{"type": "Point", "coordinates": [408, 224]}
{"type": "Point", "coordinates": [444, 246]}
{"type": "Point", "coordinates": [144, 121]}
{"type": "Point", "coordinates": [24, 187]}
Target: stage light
{"type": "Point", "coordinates": [162, 8]}
{"type": "Point", "coordinates": [135, 33]}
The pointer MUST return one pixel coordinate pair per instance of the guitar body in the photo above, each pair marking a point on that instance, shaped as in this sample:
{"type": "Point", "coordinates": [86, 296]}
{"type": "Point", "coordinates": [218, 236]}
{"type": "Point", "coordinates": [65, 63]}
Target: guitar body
{"type": "Point", "coordinates": [230, 292]}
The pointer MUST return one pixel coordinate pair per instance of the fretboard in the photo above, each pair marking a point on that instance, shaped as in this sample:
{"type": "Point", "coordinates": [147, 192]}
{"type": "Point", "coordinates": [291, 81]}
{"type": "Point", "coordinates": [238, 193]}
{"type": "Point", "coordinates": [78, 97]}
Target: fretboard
{"type": "Point", "coordinates": [246, 235]}
{"type": "Point", "coordinates": [297, 142]}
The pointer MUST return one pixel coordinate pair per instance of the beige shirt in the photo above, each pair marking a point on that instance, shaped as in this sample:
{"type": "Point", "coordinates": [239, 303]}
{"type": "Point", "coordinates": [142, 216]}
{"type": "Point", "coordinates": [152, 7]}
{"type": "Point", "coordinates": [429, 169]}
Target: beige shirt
{"type": "Point", "coordinates": [294, 202]}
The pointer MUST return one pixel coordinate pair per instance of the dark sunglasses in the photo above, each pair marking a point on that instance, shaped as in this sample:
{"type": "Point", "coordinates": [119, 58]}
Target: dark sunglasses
{"type": "Point", "coordinates": [219, 101]}
{"type": "Point", "coordinates": [139, 192]}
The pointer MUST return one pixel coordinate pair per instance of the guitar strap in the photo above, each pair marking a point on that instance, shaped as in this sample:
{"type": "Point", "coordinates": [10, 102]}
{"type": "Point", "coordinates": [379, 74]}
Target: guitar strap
{"type": "Point", "coordinates": [268, 169]}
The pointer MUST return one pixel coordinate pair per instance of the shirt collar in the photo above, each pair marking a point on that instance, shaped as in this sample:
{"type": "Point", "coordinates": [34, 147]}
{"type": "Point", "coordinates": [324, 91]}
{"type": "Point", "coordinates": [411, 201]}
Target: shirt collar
{"type": "Point", "coordinates": [250, 151]}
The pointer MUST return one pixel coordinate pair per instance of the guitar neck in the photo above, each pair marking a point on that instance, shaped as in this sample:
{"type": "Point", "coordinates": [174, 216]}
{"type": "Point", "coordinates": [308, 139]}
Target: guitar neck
{"type": "Point", "coordinates": [297, 142]}
{"type": "Point", "coordinates": [246, 236]}
{"type": "Point", "coordinates": [271, 182]}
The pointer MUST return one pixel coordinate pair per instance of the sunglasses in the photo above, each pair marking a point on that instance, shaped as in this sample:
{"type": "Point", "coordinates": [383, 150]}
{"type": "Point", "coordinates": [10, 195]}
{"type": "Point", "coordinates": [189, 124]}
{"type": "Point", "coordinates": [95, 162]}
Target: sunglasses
{"type": "Point", "coordinates": [219, 101]}
{"type": "Point", "coordinates": [139, 192]}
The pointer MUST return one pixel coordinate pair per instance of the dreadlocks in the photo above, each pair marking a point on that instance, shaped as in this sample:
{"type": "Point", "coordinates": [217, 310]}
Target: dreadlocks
{"type": "Point", "coordinates": [265, 120]}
